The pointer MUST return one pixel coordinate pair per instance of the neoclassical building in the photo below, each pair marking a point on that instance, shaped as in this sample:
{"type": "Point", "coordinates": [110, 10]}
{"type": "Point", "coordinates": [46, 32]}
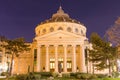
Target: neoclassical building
{"type": "Point", "coordinates": [60, 44]}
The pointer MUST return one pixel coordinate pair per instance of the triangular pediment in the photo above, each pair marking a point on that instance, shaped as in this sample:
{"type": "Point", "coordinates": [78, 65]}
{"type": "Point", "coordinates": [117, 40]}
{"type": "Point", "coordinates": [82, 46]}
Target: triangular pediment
{"type": "Point", "coordinates": [59, 35]}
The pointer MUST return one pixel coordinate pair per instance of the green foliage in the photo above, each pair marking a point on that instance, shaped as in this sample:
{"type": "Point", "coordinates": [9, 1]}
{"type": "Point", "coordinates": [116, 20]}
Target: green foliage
{"type": "Point", "coordinates": [73, 74]}
{"type": "Point", "coordinates": [66, 75]}
{"type": "Point", "coordinates": [37, 76]}
{"type": "Point", "coordinates": [102, 55]}
{"type": "Point", "coordinates": [115, 74]}
{"type": "Point", "coordinates": [101, 75]}
{"type": "Point", "coordinates": [44, 74]}
{"type": "Point", "coordinates": [20, 77]}
{"type": "Point", "coordinates": [30, 76]}
{"type": "Point", "coordinates": [14, 47]}
{"type": "Point", "coordinates": [54, 74]}
{"type": "Point", "coordinates": [83, 76]}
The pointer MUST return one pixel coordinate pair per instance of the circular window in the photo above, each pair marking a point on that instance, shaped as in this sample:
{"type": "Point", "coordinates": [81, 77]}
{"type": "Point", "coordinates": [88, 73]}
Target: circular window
{"type": "Point", "coordinates": [60, 28]}
{"type": "Point", "coordinates": [51, 29]}
{"type": "Point", "coordinates": [69, 29]}
{"type": "Point", "coordinates": [76, 30]}
{"type": "Point", "coordinates": [44, 30]}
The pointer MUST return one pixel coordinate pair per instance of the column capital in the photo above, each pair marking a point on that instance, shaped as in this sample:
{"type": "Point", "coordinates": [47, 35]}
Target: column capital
{"type": "Point", "coordinates": [38, 45]}
{"type": "Point", "coordinates": [55, 45]}
{"type": "Point", "coordinates": [73, 45]}
{"type": "Point", "coordinates": [47, 45]}
{"type": "Point", "coordinates": [65, 45]}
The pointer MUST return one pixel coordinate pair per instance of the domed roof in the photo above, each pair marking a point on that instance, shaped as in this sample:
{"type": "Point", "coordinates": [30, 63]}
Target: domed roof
{"type": "Point", "coordinates": [60, 16]}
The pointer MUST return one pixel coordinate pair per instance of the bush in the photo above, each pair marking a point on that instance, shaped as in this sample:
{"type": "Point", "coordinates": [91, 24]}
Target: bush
{"type": "Point", "coordinates": [73, 74]}
{"type": "Point", "coordinates": [83, 76]}
{"type": "Point", "coordinates": [20, 77]}
{"type": "Point", "coordinates": [30, 76]}
{"type": "Point", "coordinates": [115, 74]}
{"type": "Point", "coordinates": [66, 75]}
{"type": "Point", "coordinates": [93, 77]}
{"type": "Point", "coordinates": [55, 74]}
{"type": "Point", "coordinates": [101, 75]}
{"type": "Point", "coordinates": [44, 74]}
{"type": "Point", "coordinates": [4, 73]}
{"type": "Point", "coordinates": [37, 76]}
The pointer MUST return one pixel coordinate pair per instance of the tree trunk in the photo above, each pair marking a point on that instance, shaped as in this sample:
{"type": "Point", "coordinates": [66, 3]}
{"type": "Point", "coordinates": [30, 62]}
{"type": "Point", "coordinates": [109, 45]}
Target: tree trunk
{"type": "Point", "coordinates": [11, 66]}
{"type": "Point", "coordinates": [93, 68]}
{"type": "Point", "coordinates": [109, 67]}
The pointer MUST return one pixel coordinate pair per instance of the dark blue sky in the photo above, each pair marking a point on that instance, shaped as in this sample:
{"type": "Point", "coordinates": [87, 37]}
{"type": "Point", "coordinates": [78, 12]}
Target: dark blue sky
{"type": "Point", "coordinates": [18, 18]}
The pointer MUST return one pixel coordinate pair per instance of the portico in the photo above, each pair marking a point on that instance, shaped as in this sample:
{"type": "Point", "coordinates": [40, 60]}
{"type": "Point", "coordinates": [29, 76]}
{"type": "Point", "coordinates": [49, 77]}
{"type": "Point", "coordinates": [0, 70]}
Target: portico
{"type": "Point", "coordinates": [70, 56]}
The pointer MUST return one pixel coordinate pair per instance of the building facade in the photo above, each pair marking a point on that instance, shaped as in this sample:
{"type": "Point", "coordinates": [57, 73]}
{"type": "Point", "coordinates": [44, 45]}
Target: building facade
{"type": "Point", "coordinates": [60, 44]}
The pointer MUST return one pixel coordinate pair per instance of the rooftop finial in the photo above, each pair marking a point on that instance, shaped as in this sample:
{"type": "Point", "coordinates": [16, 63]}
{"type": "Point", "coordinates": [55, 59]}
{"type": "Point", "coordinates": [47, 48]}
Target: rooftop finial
{"type": "Point", "coordinates": [60, 10]}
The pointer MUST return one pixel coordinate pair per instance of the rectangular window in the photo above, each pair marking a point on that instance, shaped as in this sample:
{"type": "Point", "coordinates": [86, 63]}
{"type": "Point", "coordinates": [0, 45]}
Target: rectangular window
{"type": "Point", "coordinates": [35, 56]}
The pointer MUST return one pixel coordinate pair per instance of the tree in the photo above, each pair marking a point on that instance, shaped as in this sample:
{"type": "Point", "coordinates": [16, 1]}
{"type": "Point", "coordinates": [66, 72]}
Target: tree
{"type": "Point", "coordinates": [14, 48]}
{"type": "Point", "coordinates": [113, 33]}
{"type": "Point", "coordinates": [102, 54]}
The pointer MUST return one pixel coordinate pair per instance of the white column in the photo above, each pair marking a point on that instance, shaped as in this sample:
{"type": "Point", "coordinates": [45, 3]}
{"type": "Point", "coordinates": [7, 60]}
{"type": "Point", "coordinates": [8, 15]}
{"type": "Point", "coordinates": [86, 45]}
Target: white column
{"type": "Point", "coordinates": [47, 58]}
{"type": "Point", "coordinates": [82, 59]}
{"type": "Point", "coordinates": [65, 58]}
{"type": "Point", "coordinates": [56, 58]}
{"type": "Point", "coordinates": [74, 59]}
{"type": "Point", "coordinates": [38, 59]}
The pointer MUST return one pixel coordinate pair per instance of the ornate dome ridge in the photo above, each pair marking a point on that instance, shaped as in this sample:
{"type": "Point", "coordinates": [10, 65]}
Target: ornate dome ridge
{"type": "Point", "coordinates": [60, 13]}
{"type": "Point", "coordinates": [60, 16]}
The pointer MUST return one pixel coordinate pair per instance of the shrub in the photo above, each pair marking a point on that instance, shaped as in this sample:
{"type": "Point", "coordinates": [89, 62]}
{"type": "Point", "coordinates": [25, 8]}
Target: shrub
{"type": "Point", "coordinates": [44, 74]}
{"type": "Point", "coordinates": [55, 74]}
{"type": "Point", "coordinates": [20, 77]}
{"type": "Point", "coordinates": [93, 77]}
{"type": "Point", "coordinates": [115, 74]}
{"type": "Point", "coordinates": [83, 76]}
{"type": "Point", "coordinates": [73, 74]}
{"type": "Point", "coordinates": [4, 73]}
{"type": "Point", "coordinates": [37, 76]}
{"type": "Point", "coordinates": [66, 75]}
{"type": "Point", "coordinates": [30, 76]}
{"type": "Point", "coordinates": [101, 75]}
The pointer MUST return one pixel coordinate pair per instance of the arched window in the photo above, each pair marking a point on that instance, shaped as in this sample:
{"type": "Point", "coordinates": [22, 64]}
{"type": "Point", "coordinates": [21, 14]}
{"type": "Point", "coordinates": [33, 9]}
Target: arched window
{"type": "Point", "coordinates": [51, 29]}
{"type": "Point", "coordinates": [44, 31]}
{"type": "Point", "coordinates": [69, 29]}
{"type": "Point", "coordinates": [76, 30]}
{"type": "Point", "coordinates": [81, 31]}
{"type": "Point", "coordinates": [60, 28]}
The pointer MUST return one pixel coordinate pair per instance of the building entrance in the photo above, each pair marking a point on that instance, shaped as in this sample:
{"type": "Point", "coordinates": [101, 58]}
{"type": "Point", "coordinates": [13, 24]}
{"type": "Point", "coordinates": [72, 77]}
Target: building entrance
{"type": "Point", "coordinates": [52, 64]}
{"type": "Point", "coordinates": [69, 65]}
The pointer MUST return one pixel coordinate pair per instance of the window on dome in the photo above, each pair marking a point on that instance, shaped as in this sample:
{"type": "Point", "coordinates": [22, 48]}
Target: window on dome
{"type": "Point", "coordinates": [60, 28]}
{"type": "Point", "coordinates": [81, 31]}
{"type": "Point", "coordinates": [69, 29]}
{"type": "Point", "coordinates": [44, 30]}
{"type": "Point", "coordinates": [76, 30]}
{"type": "Point", "coordinates": [51, 29]}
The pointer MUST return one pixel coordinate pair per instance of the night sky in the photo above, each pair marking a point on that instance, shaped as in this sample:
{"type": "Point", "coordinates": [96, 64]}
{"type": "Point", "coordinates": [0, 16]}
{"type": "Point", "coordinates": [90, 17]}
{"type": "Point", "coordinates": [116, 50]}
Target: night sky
{"type": "Point", "coordinates": [18, 18]}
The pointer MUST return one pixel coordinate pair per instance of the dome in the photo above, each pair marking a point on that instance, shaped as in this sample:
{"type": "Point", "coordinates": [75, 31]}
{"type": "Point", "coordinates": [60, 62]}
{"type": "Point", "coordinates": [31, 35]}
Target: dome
{"type": "Point", "coordinates": [60, 16]}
